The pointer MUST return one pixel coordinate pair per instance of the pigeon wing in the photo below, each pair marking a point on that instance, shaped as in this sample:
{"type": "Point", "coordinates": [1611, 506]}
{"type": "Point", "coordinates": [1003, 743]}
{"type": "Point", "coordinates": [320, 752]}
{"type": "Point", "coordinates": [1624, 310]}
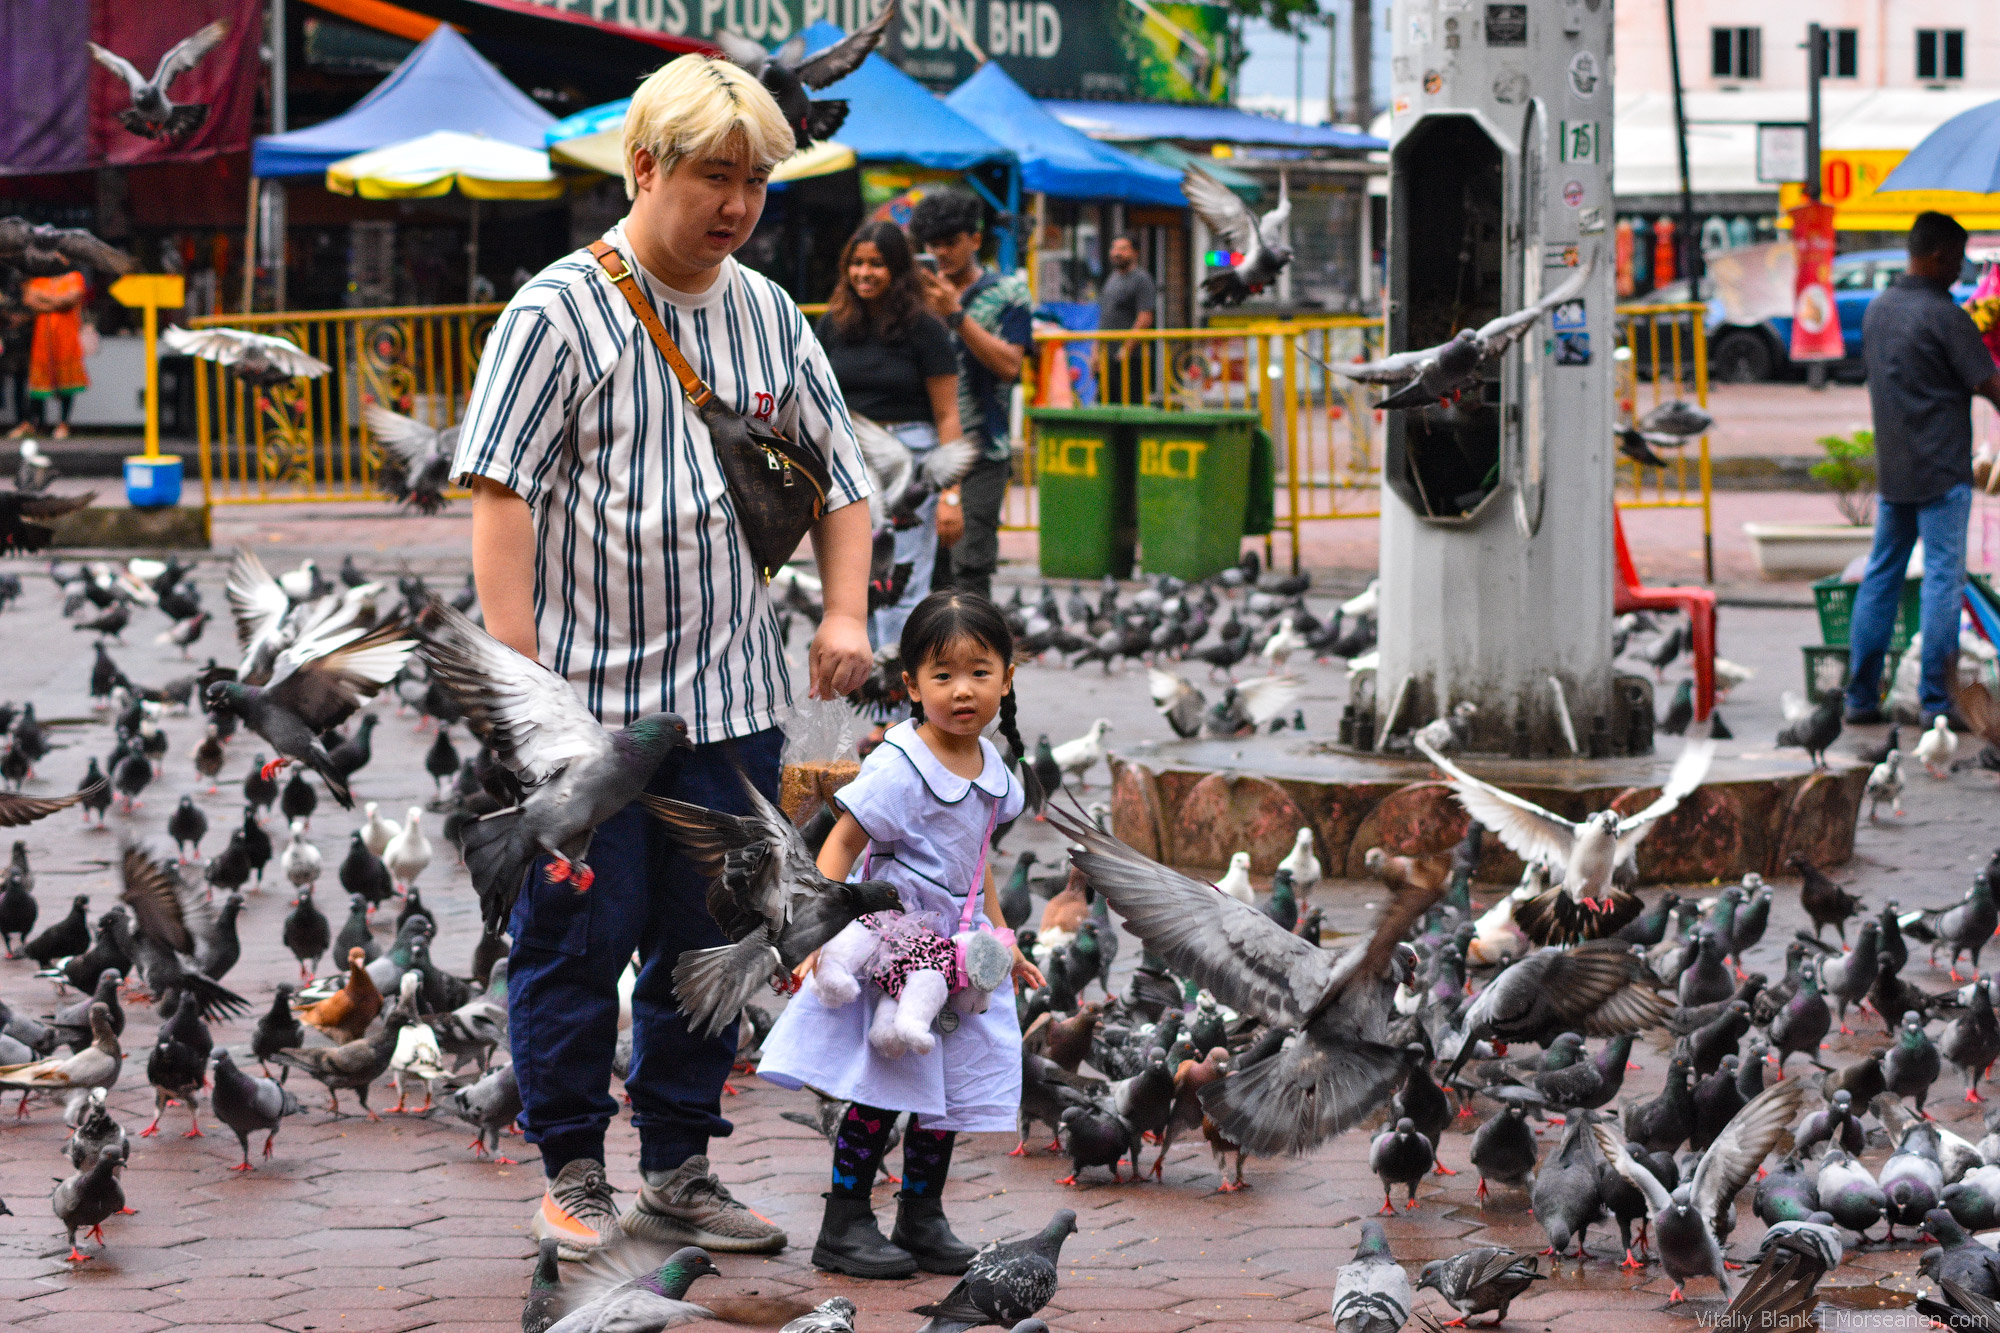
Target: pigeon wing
{"type": "Point", "coordinates": [1267, 696]}
{"type": "Point", "coordinates": [1752, 1134]}
{"type": "Point", "coordinates": [16, 809]}
{"type": "Point", "coordinates": [1497, 335]}
{"type": "Point", "coordinates": [1271, 228]}
{"type": "Point", "coordinates": [742, 51]}
{"type": "Point", "coordinates": [223, 346]}
{"type": "Point", "coordinates": [158, 899]}
{"type": "Point", "coordinates": [844, 56]}
{"type": "Point", "coordinates": [288, 356]}
{"type": "Point", "coordinates": [409, 439]}
{"type": "Point", "coordinates": [888, 459]}
{"type": "Point", "coordinates": [1976, 705]}
{"type": "Point", "coordinates": [947, 464]}
{"type": "Point", "coordinates": [53, 506]}
{"type": "Point", "coordinates": [528, 715]}
{"type": "Point", "coordinates": [1234, 950]}
{"type": "Point", "coordinates": [1226, 215]}
{"type": "Point", "coordinates": [324, 678]}
{"type": "Point", "coordinates": [118, 65]}
{"type": "Point", "coordinates": [1687, 773]}
{"type": "Point", "coordinates": [1648, 1185]}
{"type": "Point", "coordinates": [83, 249]}
{"type": "Point", "coordinates": [1527, 830]}
{"type": "Point", "coordinates": [185, 54]}
{"type": "Point", "coordinates": [1395, 369]}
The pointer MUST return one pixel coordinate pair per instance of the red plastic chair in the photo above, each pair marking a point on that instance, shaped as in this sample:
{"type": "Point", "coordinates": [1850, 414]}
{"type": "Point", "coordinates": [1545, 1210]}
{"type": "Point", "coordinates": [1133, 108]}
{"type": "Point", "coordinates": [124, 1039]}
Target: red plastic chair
{"type": "Point", "coordinates": [1698, 603]}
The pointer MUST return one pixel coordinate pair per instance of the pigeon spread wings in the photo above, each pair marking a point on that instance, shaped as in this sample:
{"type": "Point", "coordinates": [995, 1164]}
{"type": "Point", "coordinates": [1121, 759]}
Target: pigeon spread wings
{"type": "Point", "coordinates": [325, 676]}
{"type": "Point", "coordinates": [185, 54]}
{"type": "Point", "coordinates": [228, 346]}
{"type": "Point", "coordinates": [843, 57]}
{"type": "Point", "coordinates": [1226, 215]}
{"type": "Point", "coordinates": [1497, 334]}
{"type": "Point", "coordinates": [122, 68]}
{"type": "Point", "coordinates": [406, 437]}
{"type": "Point", "coordinates": [1750, 1136]}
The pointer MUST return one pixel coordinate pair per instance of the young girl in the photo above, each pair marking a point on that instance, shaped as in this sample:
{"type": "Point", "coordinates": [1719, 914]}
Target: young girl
{"type": "Point", "coordinates": [922, 809]}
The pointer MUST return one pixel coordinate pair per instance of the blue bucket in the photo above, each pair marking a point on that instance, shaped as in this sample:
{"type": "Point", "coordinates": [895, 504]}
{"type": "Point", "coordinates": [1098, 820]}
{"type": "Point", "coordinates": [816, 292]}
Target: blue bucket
{"type": "Point", "coordinates": [152, 483]}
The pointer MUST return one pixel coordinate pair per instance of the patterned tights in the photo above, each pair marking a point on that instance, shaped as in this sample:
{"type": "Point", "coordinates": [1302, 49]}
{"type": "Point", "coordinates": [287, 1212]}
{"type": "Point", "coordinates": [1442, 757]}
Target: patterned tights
{"type": "Point", "coordinates": [864, 1139]}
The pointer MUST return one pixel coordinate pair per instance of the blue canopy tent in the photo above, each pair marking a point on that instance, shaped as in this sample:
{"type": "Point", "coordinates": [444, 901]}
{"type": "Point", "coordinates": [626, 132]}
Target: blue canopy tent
{"type": "Point", "coordinates": [1961, 155]}
{"type": "Point", "coordinates": [1202, 124]}
{"type": "Point", "coordinates": [1055, 159]}
{"type": "Point", "coordinates": [443, 85]}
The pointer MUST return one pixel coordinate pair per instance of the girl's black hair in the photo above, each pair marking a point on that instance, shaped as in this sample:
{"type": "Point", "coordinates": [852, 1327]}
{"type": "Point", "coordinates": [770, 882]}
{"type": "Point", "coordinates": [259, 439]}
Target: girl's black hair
{"type": "Point", "coordinates": [898, 307]}
{"type": "Point", "coordinates": [944, 618]}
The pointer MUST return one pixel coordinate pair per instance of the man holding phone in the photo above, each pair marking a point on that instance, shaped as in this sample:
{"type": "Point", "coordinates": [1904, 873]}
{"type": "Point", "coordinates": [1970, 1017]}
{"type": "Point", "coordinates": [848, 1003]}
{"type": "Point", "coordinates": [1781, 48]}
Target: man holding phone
{"type": "Point", "coordinates": [987, 313]}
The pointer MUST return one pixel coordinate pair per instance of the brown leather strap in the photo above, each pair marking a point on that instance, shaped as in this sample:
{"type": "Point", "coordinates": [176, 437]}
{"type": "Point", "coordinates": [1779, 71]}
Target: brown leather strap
{"type": "Point", "coordinates": [620, 274]}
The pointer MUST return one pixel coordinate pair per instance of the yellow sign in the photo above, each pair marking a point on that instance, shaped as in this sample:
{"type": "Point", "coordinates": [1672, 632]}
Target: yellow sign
{"type": "Point", "coordinates": [150, 292]}
{"type": "Point", "coordinates": [165, 291]}
{"type": "Point", "coordinates": [1851, 178]}
{"type": "Point", "coordinates": [1178, 460]}
{"type": "Point", "coordinates": [1067, 458]}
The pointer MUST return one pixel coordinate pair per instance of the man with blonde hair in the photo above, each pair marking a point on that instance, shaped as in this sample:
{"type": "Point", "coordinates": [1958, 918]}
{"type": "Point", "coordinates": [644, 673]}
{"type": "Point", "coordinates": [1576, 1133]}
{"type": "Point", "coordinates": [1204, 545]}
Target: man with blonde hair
{"type": "Point", "coordinates": [606, 545]}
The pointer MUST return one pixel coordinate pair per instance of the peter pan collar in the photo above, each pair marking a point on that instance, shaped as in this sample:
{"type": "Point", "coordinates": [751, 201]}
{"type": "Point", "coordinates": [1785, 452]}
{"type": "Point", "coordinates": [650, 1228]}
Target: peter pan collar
{"type": "Point", "coordinates": [944, 785]}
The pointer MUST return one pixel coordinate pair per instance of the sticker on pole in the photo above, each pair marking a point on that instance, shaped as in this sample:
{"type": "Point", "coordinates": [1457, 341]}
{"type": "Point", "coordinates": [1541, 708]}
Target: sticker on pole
{"type": "Point", "coordinates": [1584, 76]}
{"type": "Point", "coordinates": [1572, 349]}
{"type": "Point", "coordinates": [1569, 317]}
{"type": "Point", "coordinates": [1573, 193]}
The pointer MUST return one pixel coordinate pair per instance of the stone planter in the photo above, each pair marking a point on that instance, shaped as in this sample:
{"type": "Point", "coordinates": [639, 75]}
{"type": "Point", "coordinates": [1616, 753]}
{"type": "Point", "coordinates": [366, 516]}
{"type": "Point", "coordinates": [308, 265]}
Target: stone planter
{"type": "Point", "coordinates": [1807, 550]}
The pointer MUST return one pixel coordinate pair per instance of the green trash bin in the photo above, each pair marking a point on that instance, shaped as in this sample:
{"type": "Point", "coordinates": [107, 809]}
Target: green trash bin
{"type": "Point", "coordinates": [1083, 476]}
{"type": "Point", "coordinates": [1195, 472]}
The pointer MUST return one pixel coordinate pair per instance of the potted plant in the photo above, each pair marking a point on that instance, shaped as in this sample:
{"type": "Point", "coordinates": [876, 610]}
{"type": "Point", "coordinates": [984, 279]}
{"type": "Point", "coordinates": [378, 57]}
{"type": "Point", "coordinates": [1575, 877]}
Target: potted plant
{"type": "Point", "coordinates": [1813, 550]}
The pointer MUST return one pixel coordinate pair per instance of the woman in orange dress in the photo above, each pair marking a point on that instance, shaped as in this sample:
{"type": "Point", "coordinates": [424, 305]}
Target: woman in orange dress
{"type": "Point", "coordinates": [55, 364]}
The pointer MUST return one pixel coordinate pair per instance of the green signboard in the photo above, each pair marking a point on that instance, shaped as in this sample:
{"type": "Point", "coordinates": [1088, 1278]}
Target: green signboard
{"type": "Point", "coordinates": [1128, 50]}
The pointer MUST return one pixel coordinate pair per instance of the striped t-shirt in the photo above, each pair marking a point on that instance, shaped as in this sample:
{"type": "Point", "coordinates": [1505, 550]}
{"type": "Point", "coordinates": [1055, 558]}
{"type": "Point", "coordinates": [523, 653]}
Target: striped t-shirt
{"type": "Point", "coordinates": [645, 594]}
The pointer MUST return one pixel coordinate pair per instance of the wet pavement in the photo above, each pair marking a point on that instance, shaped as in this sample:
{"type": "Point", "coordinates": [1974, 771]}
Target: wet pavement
{"type": "Point", "coordinates": [362, 1226]}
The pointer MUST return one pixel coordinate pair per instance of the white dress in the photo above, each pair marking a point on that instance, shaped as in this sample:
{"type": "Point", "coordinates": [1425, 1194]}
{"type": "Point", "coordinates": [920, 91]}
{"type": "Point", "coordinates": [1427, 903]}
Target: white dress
{"type": "Point", "coordinates": [925, 826]}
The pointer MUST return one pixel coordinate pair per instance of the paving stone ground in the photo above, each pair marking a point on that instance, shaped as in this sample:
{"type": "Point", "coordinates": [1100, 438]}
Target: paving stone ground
{"type": "Point", "coordinates": [361, 1226]}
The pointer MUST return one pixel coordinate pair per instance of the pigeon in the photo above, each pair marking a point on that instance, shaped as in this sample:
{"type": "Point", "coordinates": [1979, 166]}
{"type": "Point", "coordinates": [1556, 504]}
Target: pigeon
{"type": "Point", "coordinates": [409, 853]}
{"type": "Point", "coordinates": [1586, 904]}
{"type": "Point", "coordinates": [1966, 925]}
{"type": "Point", "coordinates": [1936, 747]}
{"type": "Point", "coordinates": [655, 1299]}
{"type": "Point", "coordinates": [1261, 247]}
{"type": "Point", "coordinates": [1180, 703]}
{"type": "Point", "coordinates": [489, 1106]}
{"type": "Point", "coordinates": [261, 359]}
{"type": "Point", "coordinates": [1440, 374]}
{"type": "Point", "coordinates": [1848, 1192]}
{"type": "Point", "coordinates": [178, 1065]}
{"type": "Point", "coordinates": [1566, 1199]}
{"type": "Point", "coordinates": [354, 932]}
{"type": "Point", "coordinates": [1007, 1282]}
{"type": "Point", "coordinates": [787, 73]}
{"type": "Point", "coordinates": [833, 1315]}
{"type": "Point", "coordinates": [1788, 1193]}
{"type": "Point", "coordinates": [1912, 1180]}
{"type": "Point", "coordinates": [1802, 1024]}
{"type": "Point", "coordinates": [1825, 901]}
{"type": "Point", "coordinates": [1486, 1277]}
{"type": "Point", "coordinates": [352, 1066]}
{"type": "Point", "coordinates": [152, 115]}
{"type": "Point", "coordinates": [416, 458]}
{"type": "Point", "coordinates": [1371, 1293]}
{"type": "Point", "coordinates": [65, 938]}
{"type": "Point", "coordinates": [1592, 989]}
{"type": "Point", "coordinates": [38, 250]}
{"type": "Point", "coordinates": [278, 1029]}
{"type": "Point", "coordinates": [1885, 783]}
{"type": "Point", "coordinates": [1675, 422]}
{"type": "Point", "coordinates": [544, 1304]}
{"type": "Point", "coordinates": [1301, 864]}
{"type": "Point", "coordinates": [1401, 1156]}
{"type": "Point", "coordinates": [1836, 1123]}
{"type": "Point", "coordinates": [353, 754]}
{"type": "Point", "coordinates": [317, 684]}
{"type": "Point", "coordinates": [1849, 976]}
{"type": "Point", "coordinates": [574, 773]}
{"type": "Point", "coordinates": [85, 1200]}
{"type": "Point", "coordinates": [1971, 1041]}
{"type": "Point", "coordinates": [1236, 880]}
{"type": "Point", "coordinates": [765, 894]}
{"type": "Point", "coordinates": [94, 1130]}
{"type": "Point", "coordinates": [1503, 1149]}
{"type": "Point", "coordinates": [1096, 1135]}
{"type": "Point", "coordinates": [187, 826]}
{"type": "Point", "coordinates": [1336, 1064]}
{"type": "Point", "coordinates": [1813, 730]}
{"type": "Point", "coordinates": [1684, 1220]}
{"type": "Point", "coordinates": [1633, 445]}
{"type": "Point", "coordinates": [1912, 1064]}
{"type": "Point", "coordinates": [306, 932]}
{"type": "Point", "coordinates": [1958, 1258]}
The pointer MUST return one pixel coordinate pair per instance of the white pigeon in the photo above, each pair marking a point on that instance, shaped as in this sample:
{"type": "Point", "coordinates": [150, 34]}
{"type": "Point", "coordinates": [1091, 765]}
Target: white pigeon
{"type": "Point", "coordinates": [298, 584]}
{"type": "Point", "coordinates": [409, 851]}
{"type": "Point", "coordinates": [1364, 603]}
{"type": "Point", "coordinates": [301, 859]}
{"type": "Point", "coordinates": [34, 470]}
{"type": "Point", "coordinates": [1885, 783]}
{"type": "Point", "coordinates": [1936, 747]}
{"type": "Point", "coordinates": [376, 832]}
{"type": "Point", "coordinates": [1302, 864]}
{"type": "Point", "coordinates": [417, 1052]}
{"type": "Point", "coordinates": [1588, 851]}
{"type": "Point", "coordinates": [1236, 881]}
{"type": "Point", "coordinates": [261, 358]}
{"type": "Point", "coordinates": [1728, 675]}
{"type": "Point", "coordinates": [1285, 641]}
{"type": "Point", "coordinates": [1076, 758]}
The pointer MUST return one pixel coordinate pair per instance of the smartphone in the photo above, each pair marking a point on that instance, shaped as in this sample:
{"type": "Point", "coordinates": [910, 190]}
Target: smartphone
{"type": "Point", "coordinates": [928, 262]}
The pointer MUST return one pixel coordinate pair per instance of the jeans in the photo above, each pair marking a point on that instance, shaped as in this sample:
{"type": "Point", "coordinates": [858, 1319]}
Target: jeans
{"type": "Point", "coordinates": [570, 948]}
{"type": "Point", "coordinates": [916, 546]}
{"type": "Point", "coordinates": [977, 554]}
{"type": "Point", "coordinates": [1941, 523]}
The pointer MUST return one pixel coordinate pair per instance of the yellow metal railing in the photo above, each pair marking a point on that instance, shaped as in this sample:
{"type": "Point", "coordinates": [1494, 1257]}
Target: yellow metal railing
{"type": "Point", "coordinates": [1662, 354]}
{"type": "Point", "coordinates": [305, 439]}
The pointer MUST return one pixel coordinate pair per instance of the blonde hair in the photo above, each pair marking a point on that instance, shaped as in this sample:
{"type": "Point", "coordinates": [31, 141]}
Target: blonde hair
{"type": "Point", "coordinates": [703, 106]}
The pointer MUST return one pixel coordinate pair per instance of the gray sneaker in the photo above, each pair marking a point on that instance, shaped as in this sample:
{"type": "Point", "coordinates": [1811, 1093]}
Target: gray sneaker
{"type": "Point", "coordinates": [689, 1206]}
{"type": "Point", "coordinates": [577, 1211]}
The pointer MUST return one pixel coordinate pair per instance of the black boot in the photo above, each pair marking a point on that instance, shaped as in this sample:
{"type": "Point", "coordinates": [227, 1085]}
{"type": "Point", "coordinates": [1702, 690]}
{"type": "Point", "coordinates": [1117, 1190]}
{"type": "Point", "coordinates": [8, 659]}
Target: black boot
{"type": "Point", "coordinates": [923, 1230]}
{"type": "Point", "coordinates": [850, 1242]}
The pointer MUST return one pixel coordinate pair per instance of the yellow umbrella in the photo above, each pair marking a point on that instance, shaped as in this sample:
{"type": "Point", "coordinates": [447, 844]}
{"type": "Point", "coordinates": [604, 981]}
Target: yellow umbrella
{"type": "Point", "coordinates": [604, 150]}
{"type": "Point", "coordinates": [435, 164]}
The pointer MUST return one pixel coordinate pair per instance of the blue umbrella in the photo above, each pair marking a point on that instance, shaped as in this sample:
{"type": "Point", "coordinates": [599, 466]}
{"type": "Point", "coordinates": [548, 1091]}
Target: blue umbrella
{"type": "Point", "coordinates": [1962, 154]}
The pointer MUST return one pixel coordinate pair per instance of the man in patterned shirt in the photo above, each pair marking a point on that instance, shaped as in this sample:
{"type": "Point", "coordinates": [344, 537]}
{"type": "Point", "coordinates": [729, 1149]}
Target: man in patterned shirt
{"type": "Point", "coordinates": [605, 544]}
{"type": "Point", "coordinates": [987, 313]}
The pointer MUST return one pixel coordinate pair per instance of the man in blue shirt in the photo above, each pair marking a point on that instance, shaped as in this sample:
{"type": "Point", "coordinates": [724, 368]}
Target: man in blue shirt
{"type": "Point", "coordinates": [988, 315]}
{"type": "Point", "coordinates": [1925, 361]}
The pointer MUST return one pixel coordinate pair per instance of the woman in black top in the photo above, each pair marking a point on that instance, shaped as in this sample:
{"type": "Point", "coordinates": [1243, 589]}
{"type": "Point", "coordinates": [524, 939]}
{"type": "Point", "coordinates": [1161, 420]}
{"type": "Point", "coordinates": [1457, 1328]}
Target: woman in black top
{"type": "Point", "coordinates": [896, 366]}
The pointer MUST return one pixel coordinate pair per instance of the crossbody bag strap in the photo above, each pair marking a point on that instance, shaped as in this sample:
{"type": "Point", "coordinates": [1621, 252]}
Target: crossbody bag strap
{"type": "Point", "coordinates": [621, 276]}
{"type": "Point", "coordinates": [977, 892]}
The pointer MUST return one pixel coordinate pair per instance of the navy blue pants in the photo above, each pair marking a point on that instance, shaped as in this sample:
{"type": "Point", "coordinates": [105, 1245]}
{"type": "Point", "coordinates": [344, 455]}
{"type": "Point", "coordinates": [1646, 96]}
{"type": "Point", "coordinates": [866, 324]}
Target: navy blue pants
{"type": "Point", "coordinates": [570, 947]}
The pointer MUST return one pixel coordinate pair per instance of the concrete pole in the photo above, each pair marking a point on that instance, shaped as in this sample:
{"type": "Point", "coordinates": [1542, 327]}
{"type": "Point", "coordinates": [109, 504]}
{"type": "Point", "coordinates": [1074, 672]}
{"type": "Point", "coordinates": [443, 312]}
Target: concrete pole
{"type": "Point", "coordinates": [279, 93]}
{"type": "Point", "coordinates": [1362, 27]}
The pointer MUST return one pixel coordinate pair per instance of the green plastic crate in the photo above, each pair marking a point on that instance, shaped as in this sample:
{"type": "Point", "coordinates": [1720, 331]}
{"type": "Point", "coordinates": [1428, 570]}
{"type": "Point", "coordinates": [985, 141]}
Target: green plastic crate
{"type": "Point", "coordinates": [1836, 612]}
{"type": "Point", "coordinates": [1826, 670]}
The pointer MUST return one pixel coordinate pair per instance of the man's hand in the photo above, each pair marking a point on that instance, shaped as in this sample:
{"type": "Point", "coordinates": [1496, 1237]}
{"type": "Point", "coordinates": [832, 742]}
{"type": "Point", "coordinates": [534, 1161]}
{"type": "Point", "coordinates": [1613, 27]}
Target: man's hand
{"type": "Point", "coordinates": [840, 656]}
{"type": "Point", "coordinates": [939, 295]}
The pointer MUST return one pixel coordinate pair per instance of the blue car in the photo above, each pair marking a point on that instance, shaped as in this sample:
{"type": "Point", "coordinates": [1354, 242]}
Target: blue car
{"type": "Point", "coordinates": [1741, 354]}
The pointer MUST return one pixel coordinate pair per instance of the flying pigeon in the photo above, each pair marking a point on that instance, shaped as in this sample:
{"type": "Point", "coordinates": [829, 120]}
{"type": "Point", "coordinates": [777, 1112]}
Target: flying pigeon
{"type": "Point", "coordinates": [1440, 374]}
{"type": "Point", "coordinates": [42, 251]}
{"type": "Point", "coordinates": [19, 536]}
{"type": "Point", "coordinates": [416, 459]}
{"type": "Point", "coordinates": [1261, 241]}
{"type": "Point", "coordinates": [152, 115]}
{"type": "Point", "coordinates": [262, 359]}
{"type": "Point", "coordinates": [786, 74]}
{"type": "Point", "coordinates": [1586, 904]}
{"type": "Point", "coordinates": [1675, 422]}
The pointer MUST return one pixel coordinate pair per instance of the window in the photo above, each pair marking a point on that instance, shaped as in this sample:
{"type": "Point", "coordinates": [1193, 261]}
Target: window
{"type": "Point", "coordinates": [1940, 53]}
{"type": "Point", "coordinates": [1841, 58]}
{"type": "Point", "coordinates": [1736, 53]}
